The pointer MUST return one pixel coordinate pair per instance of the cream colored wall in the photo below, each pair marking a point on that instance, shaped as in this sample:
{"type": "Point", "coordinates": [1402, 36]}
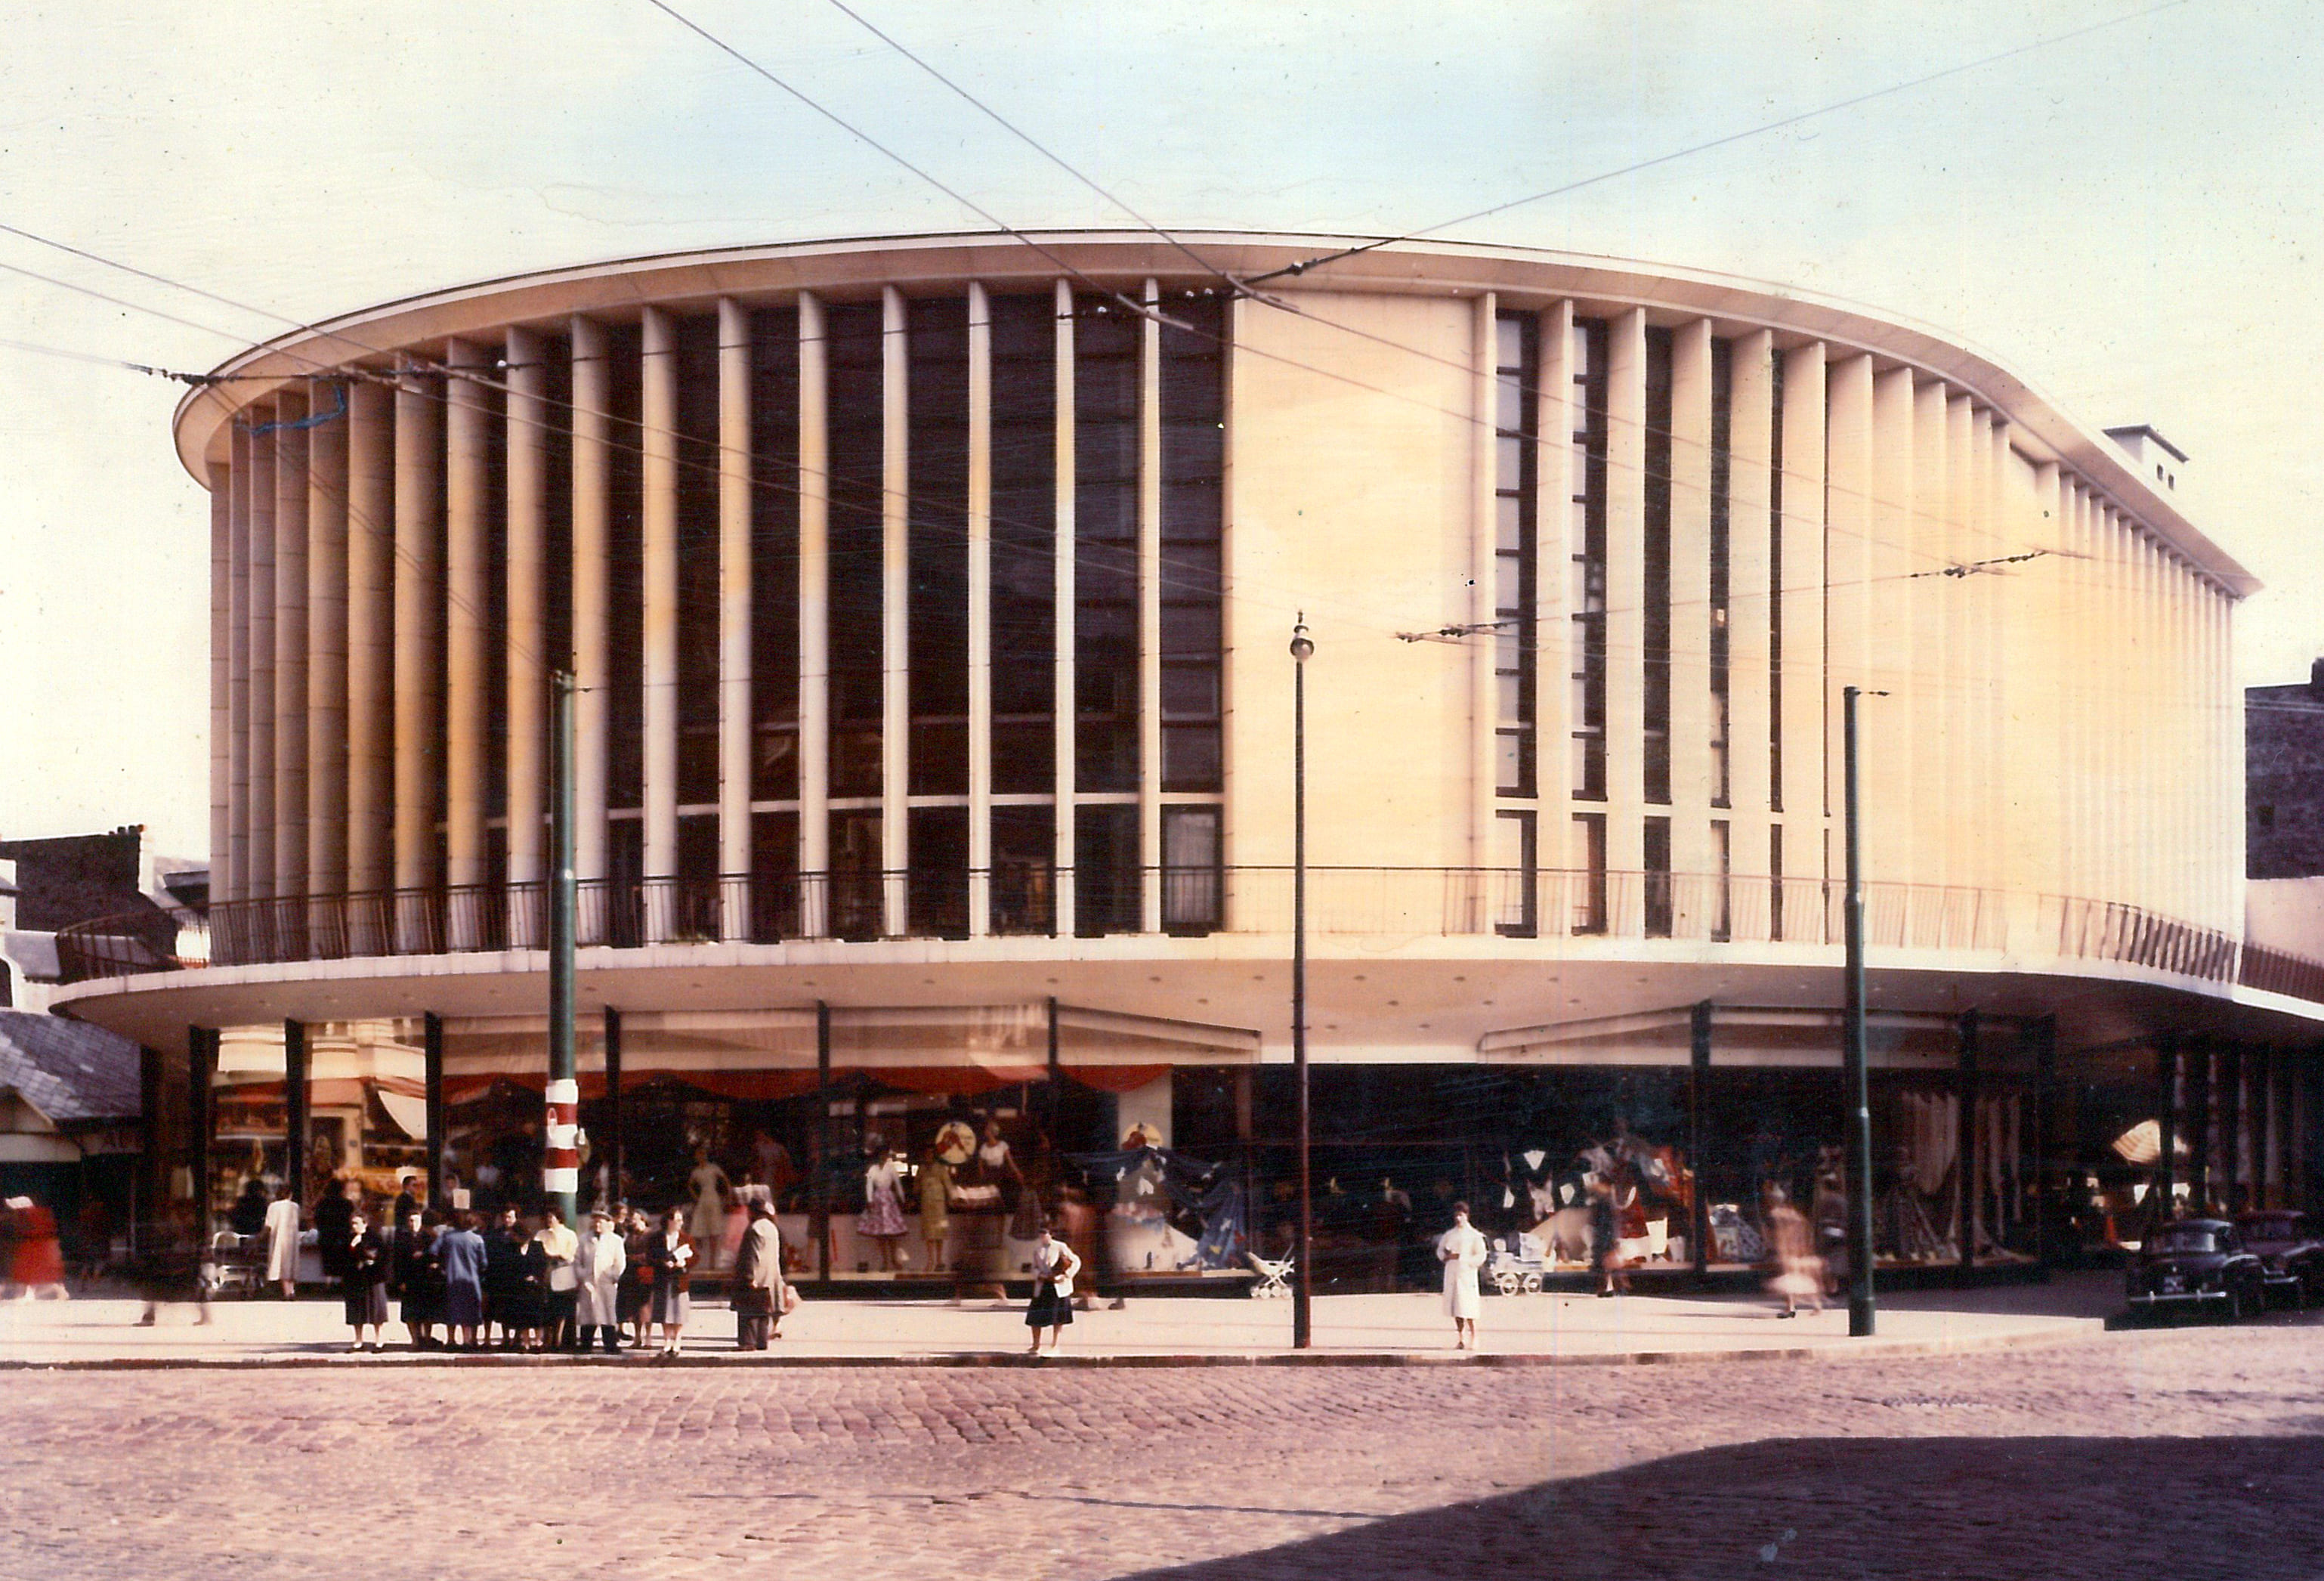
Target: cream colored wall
{"type": "Point", "coordinates": [1349, 497]}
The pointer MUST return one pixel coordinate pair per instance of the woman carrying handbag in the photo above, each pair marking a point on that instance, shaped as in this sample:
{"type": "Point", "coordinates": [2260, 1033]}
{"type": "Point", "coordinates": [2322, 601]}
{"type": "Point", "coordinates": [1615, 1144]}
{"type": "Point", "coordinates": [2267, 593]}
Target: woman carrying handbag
{"type": "Point", "coordinates": [1054, 1264]}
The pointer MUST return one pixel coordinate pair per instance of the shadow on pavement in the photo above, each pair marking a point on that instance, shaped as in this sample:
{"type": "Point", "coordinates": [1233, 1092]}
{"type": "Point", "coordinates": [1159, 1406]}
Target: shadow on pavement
{"type": "Point", "coordinates": [1923, 1509]}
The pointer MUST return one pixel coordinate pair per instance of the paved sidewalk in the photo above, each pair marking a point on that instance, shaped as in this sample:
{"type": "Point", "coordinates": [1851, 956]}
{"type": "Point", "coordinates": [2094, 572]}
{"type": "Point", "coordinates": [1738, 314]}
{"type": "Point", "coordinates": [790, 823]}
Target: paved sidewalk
{"type": "Point", "coordinates": [1539, 1329]}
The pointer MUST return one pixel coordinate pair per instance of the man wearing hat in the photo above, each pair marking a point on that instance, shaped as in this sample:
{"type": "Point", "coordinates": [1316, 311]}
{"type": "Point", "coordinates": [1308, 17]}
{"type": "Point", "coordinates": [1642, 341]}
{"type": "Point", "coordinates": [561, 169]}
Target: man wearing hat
{"type": "Point", "coordinates": [761, 1296]}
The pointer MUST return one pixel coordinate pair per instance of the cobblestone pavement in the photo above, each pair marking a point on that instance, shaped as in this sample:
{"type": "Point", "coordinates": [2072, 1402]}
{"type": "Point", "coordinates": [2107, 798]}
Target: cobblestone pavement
{"type": "Point", "coordinates": [2186, 1454]}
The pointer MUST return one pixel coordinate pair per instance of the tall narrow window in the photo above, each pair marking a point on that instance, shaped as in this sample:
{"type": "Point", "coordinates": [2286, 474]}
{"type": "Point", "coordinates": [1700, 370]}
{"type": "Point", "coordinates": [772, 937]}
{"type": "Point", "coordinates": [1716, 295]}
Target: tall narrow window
{"type": "Point", "coordinates": [936, 356]}
{"type": "Point", "coordinates": [1722, 369]}
{"type": "Point", "coordinates": [1655, 618]}
{"type": "Point", "coordinates": [1657, 878]}
{"type": "Point", "coordinates": [1775, 882]}
{"type": "Point", "coordinates": [1775, 595]}
{"type": "Point", "coordinates": [1722, 899]}
{"type": "Point", "coordinates": [1024, 869]}
{"type": "Point", "coordinates": [1105, 869]}
{"type": "Point", "coordinates": [696, 444]}
{"type": "Point", "coordinates": [1106, 348]}
{"type": "Point", "coordinates": [774, 567]}
{"type": "Point", "coordinates": [1590, 876]}
{"type": "Point", "coordinates": [856, 429]}
{"type": "Point", "coordinates": [1513, 884]}
{"type": "Point", "coordinates": [1194, 467]}
{"type": "Point", "coordinates": [1514, 462]}
{"type": "Point", "coordinates": [624, 573]}
{"type": "Point", "coordinates": [1586, 591]}
{"type": "Point", "coordinates": [1191, 878]}
{"type": "Point", "coordinates": [937, 886]}
{"type": "Point", "coordinates": [1024, 542]}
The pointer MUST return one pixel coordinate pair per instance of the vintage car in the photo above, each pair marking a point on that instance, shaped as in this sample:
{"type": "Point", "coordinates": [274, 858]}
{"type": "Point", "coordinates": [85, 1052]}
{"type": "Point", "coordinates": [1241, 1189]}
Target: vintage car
{"type": "Point", "coordinates": [2290, 1257]}
{"type": "Point", "coordinates": [2198, 1263]}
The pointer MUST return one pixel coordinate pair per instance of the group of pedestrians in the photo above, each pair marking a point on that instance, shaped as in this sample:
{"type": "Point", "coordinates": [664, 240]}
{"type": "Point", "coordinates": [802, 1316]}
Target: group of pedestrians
{"type": "Point", "coordinates": [623, 1279]}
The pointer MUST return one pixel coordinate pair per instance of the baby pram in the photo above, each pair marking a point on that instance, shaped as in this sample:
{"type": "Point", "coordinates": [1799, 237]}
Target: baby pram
{"type": "Point", "coordinates": [1274, 1280]}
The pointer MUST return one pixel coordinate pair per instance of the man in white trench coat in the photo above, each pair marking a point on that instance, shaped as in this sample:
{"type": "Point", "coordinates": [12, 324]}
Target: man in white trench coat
{"type": "Point", "coordinates": [598, 1263]}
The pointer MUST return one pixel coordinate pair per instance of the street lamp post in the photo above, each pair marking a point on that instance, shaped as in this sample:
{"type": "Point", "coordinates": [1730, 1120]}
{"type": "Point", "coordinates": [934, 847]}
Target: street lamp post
{"type": "Point", "coordinates": [1860, 1312]}
{"type": "Point", "coordinates": [1302, 1314]}
{"type": "Point", "coordinates": [560, 1175]}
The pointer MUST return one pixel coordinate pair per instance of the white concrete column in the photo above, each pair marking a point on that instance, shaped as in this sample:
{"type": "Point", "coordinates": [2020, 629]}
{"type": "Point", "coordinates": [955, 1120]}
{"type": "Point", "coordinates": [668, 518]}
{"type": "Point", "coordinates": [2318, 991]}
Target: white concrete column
{"type": "Point", "coordinates": [2042, 719]}
{"type": "Point", "coordinates": [2088, 629]}
{"type": "Point", "coordinates": [1484, 577]}
{"type": "Point", "coordinates": [467, 606]}
{"type": "Point", "coordinates": [1994, 635]}
{"type": "Point", "coordinates": [2231, 762]}
{"type": "Point", "coordinates": [895, 610]}
{"type": "Point", "coordinates": [2147, 833]}
{"type": "Point", "coordinates": [657, 436]}
{"type": "Point", "coordinates": [1149, 615]}
{"type": "Point", "coordinates": [290, 650]}
{"type": "Point", "coordinates": [222, 603]}
{"type": "Point", "coordinates": [1691, 766]}
{"type": "Point", "coordinates": [1558, 538]}
{"type": "Point", "coordinates": [1972, 651]}
{"type": "Point", "coordinates": [1893, 809]}
{"type": "Point", "coordinates": [735, 658]}
{"type": "Point", "coordinates": [418, 631]}
{"type": "Point", "coordinates": [980, 612]}
{"type": "Point", "coordinates": [525, 651]}
{"type": "Point", "coordinates": [592, 669]}
{"type": "Point", "coordinates": [1625, 595]}
{"type": "Point", "coordinates": [1750, 430]}
{"type": "Point", "coordinates": [813, 618]}
{"type": "Point", "coordinates": [1847, 623]}
{"type": "Point", "coordinates": [1935, 534]}
{"type": "Point", "coordinates": [1799, 573]}
{"type": "Point", "coordinates": [264, 546]}
{"type": "Point", "coordinates": [371, 654]}
{"type": "Point", "coordinates": [326, 640]}
{"type": "Point", "coordinates": [1062, 705]}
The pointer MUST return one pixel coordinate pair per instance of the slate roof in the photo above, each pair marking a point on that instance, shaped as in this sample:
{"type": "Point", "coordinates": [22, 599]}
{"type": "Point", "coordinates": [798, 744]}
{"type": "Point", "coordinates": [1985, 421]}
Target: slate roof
{"type": "Point", "coordinates": [68, 1070]}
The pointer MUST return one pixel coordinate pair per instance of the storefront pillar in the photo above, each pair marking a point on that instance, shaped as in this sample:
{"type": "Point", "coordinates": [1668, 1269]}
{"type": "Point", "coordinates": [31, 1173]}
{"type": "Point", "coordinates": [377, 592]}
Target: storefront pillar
{"type": "Point", "coordinates": [1697, 1229]}
{"type": "Point", "coordinates": [2171, 1083]}
{"type": "Point", "coordinates": [2045, 1076]}
{"type": "Point", "coordinates": [818, 1146]}
{"type": "Point", "coordinates": [1967, 1210]}
{"type": "Point", "coordinates": [431, 1053]}
{"type": "Point", "coordinates": [617, 1148]}
{"type": "Point", "coordinates": [1056, 1076]}
{"type": "Point", "coordinates": [295, 1123]}
{"type": "Point", "coordinates": [2230, 1078]}
{"type": "Point", "coordinates": [150, 1181]}
{"type": "Point", "coordinates": [2199, 1105]}
{"type": "Point", "coordinates": [201, 1061]}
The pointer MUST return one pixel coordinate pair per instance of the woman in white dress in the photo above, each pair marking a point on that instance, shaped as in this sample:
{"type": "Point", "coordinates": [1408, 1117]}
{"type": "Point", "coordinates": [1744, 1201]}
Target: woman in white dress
{"type": "Point", "coordinates": [1462, 1251]}
{"type": "Point", "coordinates": [282, 1241]}
{"type": "Point", "coordinates": [710, 1189]}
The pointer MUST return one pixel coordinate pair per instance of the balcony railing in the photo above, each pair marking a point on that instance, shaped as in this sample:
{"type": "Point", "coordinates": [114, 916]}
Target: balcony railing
{"type": "Point", "coordinates": [1373, 901]}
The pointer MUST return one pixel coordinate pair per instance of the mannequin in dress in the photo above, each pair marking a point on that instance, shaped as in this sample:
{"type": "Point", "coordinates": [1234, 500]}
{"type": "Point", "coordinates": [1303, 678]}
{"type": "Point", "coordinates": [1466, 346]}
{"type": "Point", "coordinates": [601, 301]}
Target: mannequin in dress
{"type": "Point", "coordinates": [883, 1218]}
{"type": "Point", "coordinates": [706, 1224]}
{"type": "Point", "coordinates": [935, 1207]}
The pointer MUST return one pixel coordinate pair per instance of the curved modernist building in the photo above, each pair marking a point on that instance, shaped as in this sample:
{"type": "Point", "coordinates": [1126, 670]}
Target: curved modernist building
{"type": "Point", "coordinates": [926, 602]}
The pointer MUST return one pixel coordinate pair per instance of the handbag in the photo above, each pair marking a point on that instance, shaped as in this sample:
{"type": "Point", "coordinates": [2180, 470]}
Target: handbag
{"type": "Point", "coordinates": [791, 1298]}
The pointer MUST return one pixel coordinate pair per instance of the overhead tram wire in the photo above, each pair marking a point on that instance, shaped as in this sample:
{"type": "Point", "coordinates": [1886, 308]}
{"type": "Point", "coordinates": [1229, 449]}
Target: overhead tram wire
{"type": "Point", "coordinates": [328, 372]}
{"type": "Point", "coordinates": [1732, 138]}
{"type": "Point", "coordinates": [1026, 138]}
{"type": "Point", "coordinates": [1135, 306]}
{"type": "Point", "coordinates": [617, 421]}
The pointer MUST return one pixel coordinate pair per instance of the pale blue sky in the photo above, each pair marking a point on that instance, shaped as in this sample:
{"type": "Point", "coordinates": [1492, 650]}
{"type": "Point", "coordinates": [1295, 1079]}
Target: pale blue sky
{"type": "Point", "coordinates": [2130, 218]}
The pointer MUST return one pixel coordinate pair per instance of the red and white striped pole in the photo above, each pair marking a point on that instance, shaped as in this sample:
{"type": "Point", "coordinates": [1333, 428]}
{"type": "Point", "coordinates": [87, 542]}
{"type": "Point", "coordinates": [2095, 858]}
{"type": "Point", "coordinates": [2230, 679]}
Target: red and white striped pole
{"type": "Point", "coordinates": [560, 1157]}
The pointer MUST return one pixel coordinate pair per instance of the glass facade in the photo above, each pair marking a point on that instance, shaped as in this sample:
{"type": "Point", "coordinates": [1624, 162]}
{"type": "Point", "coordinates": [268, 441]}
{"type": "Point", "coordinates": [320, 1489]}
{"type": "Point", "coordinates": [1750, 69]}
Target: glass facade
{"type": "Point", "coordinates": [1586, 589]}
{"type": "Point", "coordinates": [1516, 549]}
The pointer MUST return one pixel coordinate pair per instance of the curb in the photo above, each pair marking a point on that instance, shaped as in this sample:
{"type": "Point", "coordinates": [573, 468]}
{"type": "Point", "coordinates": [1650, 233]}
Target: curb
{"type": "Point", "coordinates": [1875, 1349]}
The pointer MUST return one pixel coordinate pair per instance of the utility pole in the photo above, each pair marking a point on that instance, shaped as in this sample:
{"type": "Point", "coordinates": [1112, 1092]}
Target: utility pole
{"type": "Point", "coordinates": [1860, 1311]}
{"type": "Point", "coordinates": [1302, 1289]}
{"type": "Point", "coordinates": [560, 1158]}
